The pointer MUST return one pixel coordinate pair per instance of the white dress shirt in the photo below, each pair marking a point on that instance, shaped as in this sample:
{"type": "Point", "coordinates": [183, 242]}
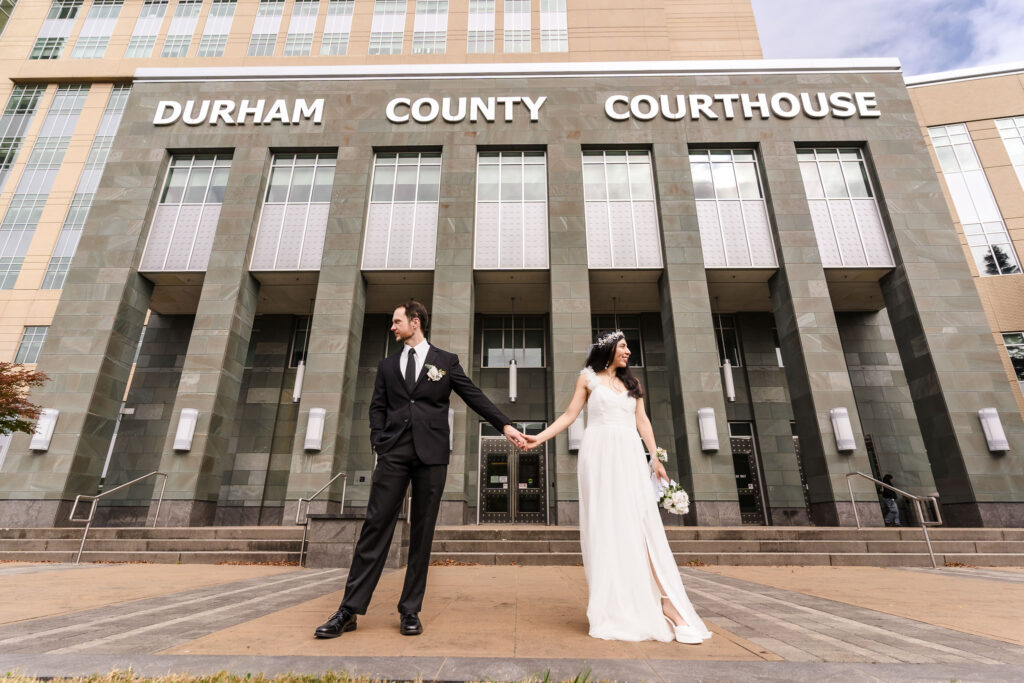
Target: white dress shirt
{"type": "Point", "coordinates": [421, 357]}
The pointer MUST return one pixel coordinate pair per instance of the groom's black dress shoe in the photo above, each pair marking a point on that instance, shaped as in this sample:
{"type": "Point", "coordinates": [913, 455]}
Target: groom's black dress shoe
{"type": "Point", "coordinates": [411, 625]}
{"type": "Point", "coordinates": [341, 621]}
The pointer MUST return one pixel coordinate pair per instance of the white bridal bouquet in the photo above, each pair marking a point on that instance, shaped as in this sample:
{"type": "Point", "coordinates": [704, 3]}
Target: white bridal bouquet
{"type": "Point", "coordinates": [670, 496]}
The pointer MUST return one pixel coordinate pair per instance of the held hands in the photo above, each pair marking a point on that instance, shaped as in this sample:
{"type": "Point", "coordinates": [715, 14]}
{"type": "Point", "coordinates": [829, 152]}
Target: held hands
{"type": "Point", "coordinates": [532, 442]}
{"type": "Point", "coordinates": [515, 437]}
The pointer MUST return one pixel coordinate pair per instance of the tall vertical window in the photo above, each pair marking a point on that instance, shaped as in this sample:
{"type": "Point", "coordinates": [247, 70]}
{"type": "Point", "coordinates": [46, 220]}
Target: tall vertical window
{"type": "Point", "coordinates": [401, 226]}
{"type": "Point", "coordinates": [554, 26]}
{"type": "Point", "coordinates": [508, 337]}
{"type": "Point", "coordinates": [218, 26]}
{"type": "Point", "coordinates": [30, 197]}
{"type": "Point", "coordinates": [81, 202]}
{"type": "Point", "coordinates": [622, 219]}
{"type": "Point", "coordinates": [430, 30]}
{"type": "Point", "coordinates": [511, 210]}
{"type": "Point", "coordinates": [847, 223]}
{"type": "Point", "coordinates": [98, 27]}
{"type": "Point", "coordinates": [55, 30]}
{"type": "Point", "coordinates": [731, 213]}
{"type": "Point", "coordinates": [6, 7]}
{"type": "Point", "coordinates": [973, 200]}
{"type": "Point", "coordinates": [1014, 342]}
{"type": "Point", "coordinates": [293, 222]}
{"type": "Point", "coordinates": [147, 27]}
{"type": "Point", "coordinates": [183, 27]}
{"type": "Point", "coordinates": [185, 222]}
{"type": "Point", "coordinates": [1012, 131]}
{"type": "Point", "coordinates": [17, 117]}
{"type": "Point", "coordinates": [31, 344]}
{"type": "Point", "coordinates": [299, 41]}
{"type": "Point", "coordinates": [480, 31]}
{"type": "Point", "coordinates": [388, 28]}
{"type": "Point", "coordinates": [517, 26]}
{"type": "Point", "coordinates": [337, 28]}
{"type": "Point", "coordinates": [630, 327]}
{"type": "Point", "coordinates": [265, 28]}
{"type": "Point", "coordinates": [727, 336]}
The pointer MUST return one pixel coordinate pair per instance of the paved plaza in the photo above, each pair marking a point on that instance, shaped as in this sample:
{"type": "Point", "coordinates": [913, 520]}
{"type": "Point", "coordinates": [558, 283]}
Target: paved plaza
{"type": "Point", "coordinates": [511, 622]}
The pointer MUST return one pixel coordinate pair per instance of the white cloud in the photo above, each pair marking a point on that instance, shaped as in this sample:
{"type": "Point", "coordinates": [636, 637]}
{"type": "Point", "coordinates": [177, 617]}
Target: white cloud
{"type": "Point", "coordinates": [926, 35]}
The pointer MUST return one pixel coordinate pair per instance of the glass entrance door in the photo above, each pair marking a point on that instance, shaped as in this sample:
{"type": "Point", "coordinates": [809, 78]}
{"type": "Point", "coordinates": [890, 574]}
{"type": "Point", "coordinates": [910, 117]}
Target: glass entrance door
{"type": "Point", "coordinates": [748, 473]}
{"type": "Point", "coordinates": [512, 483]}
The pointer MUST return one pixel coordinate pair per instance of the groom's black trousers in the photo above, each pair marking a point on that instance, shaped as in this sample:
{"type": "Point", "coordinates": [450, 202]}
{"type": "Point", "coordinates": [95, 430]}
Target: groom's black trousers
{"type": "Point", "coordinates": [395, 469]}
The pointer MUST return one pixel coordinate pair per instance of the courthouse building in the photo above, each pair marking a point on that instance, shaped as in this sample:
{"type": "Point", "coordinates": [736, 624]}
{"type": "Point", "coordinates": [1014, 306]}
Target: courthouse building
{"type": "Point", "coordinates": [211, 208]}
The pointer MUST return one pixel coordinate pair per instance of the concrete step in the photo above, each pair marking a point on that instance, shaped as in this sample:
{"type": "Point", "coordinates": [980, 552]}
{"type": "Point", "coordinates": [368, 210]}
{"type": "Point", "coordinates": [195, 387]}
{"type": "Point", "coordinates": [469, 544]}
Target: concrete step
{"type": "Point", "coordinates": [146, 545]}
{"type": "Point", "coordinates": [746, 533]}
{"type": "Point", "coordinates": [221, 532]}
{"type": "Point", "coordinates": [809, 546]}
{"type": "Point", "coordinates": [170, 557]}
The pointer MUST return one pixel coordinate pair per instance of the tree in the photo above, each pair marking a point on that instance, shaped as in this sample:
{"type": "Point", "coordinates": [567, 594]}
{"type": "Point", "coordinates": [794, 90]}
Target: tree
{"type": "Point", "coordinates": [17, 413]}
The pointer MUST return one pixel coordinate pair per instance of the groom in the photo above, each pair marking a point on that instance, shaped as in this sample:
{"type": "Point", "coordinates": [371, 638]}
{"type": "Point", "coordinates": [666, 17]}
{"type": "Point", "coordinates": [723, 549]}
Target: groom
{"type": "Point", "coordinates": [409, 430]}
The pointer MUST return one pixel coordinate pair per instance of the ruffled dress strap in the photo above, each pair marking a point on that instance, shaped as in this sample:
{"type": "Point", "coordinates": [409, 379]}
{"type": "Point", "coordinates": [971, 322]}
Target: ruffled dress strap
{"type": "Point", "coordinates": [591, 377]}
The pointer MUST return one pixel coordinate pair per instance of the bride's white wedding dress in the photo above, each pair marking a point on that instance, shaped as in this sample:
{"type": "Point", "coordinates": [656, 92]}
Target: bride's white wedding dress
{"type": "Point", "coordinates": [620, 527]}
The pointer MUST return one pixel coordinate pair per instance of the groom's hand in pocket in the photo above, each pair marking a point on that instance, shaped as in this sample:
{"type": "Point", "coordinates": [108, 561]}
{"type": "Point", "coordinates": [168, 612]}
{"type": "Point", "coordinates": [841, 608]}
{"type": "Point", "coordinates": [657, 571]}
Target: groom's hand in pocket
{"type": "Point", "coordinates": [515, 437]}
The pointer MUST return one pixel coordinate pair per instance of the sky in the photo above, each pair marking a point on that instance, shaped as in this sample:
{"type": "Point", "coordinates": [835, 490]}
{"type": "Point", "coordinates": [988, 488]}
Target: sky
{"type": "Point", "coordinates": [926, 35]}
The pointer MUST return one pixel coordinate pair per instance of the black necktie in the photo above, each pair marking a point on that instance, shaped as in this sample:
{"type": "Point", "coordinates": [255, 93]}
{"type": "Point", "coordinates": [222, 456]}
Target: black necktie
{"type": "Point", "coordinates": [410, 369]}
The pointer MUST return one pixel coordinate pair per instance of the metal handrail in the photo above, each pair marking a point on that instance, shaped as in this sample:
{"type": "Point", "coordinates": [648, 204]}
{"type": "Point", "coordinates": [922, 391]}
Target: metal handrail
{"type": "Point", "coordinates": [917, 507]}
{"type": "Point", "coordinates": [305, 521]}
{"type": "Point", "coordinates": [95, 500]}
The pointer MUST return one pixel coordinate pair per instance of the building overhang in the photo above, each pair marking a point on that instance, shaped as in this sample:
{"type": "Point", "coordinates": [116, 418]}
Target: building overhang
{"type": "Point", "coordinates": [519, 70]}
{"type": "Point", "coordinates": [973, 73]}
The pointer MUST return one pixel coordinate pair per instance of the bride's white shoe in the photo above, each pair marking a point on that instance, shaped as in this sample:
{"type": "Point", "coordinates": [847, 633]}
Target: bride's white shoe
{"type": "Point", "coordinates": [685, 633]}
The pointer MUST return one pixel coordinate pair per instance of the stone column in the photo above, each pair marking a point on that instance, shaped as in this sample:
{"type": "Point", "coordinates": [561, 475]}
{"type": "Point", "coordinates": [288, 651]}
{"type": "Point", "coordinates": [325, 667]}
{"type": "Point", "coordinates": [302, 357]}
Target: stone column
{"type": "Point", "coordinates": [451, 311]}
{"type": "Point", "coordinates": [332, 360]}
{"type": "Point", "coordinates": [772, 412]}
{"type": "Point", "coordinates": [811, 350]}
{"type": "Point", "coordinates": [695, 380]}
{"type": "Point", "coordinates": [89, 347]}
{"type": "Point", "coordinates": [952, 366]}
{"type": "Point", "coordinates": [570, 309]}
{"type": "Point", "coordinates": [211, 378]}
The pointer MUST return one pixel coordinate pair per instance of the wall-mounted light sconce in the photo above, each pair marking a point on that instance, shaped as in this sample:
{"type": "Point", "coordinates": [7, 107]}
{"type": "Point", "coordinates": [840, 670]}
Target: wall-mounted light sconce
{"type": "Point", "coordinates": [995, 435]}
{"type": "Point", "coordinates": [513, 381]}
{"type": "Point", "coordinates": [44, 429]}
{"type": "Point", "coordinates": [842, 430]}
{"type": "Point", "coordinates": [708, 429]}
{"type": "Point", "coordinates": [451, 429]}
{"type": "Point", "coordinates": [730, 385]}
{"type": "Point", "coordinates": [300, 374]}
{"type": "Point", "coordinates": [186, 429]}
{"type": "Point", "coordinates": [315, 429]}
{"type": "Point", "coordinates": [576, 430]}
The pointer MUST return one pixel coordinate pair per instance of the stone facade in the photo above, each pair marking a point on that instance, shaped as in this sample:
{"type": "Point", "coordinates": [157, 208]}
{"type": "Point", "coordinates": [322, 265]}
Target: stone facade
{"type": "Point", "coordinates": [921, 351]}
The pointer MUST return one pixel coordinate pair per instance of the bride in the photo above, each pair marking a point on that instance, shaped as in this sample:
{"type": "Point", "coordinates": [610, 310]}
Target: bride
{"type": "Point", "coordinates": [636, 592]}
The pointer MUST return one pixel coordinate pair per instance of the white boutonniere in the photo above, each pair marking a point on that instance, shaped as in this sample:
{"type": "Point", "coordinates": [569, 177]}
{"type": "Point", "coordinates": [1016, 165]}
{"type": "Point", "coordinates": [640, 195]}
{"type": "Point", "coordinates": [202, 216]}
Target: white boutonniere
{"type": "Point", "coordinates": [434, 374]}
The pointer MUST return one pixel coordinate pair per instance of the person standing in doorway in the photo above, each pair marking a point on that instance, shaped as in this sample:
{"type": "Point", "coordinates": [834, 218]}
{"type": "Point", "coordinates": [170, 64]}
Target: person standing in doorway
{"type": "Point", "coordinates": [409, 431]}
{"type": "Point", "coordinates": [892, 510]}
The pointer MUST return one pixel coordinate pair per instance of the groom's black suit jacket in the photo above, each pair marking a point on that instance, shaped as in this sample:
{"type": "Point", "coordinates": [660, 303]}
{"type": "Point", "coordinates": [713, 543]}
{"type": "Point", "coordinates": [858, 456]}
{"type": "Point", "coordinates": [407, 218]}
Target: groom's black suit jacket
{"type": "Point", "coordinates": [424, 409]}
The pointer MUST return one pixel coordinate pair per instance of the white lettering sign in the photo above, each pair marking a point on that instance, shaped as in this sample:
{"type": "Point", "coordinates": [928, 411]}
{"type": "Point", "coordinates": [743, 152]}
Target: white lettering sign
{"type": "Point", "coordinates": [228, 112]}
{"type": "Point", "coordinates": [455, 109]}
{"type": "Point", "coordinates": [783, 105]}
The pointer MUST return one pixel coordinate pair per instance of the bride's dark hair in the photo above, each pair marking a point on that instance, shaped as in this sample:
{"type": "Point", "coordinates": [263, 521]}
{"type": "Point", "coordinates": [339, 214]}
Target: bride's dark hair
{"type": "Point", "coordinates": [600, 356]}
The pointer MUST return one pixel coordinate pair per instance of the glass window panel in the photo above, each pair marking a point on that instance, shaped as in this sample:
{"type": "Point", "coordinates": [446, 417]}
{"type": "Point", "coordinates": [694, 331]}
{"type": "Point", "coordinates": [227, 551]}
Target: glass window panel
{"type": "Point", "coordinates": [593, 180]}
{"type": "Point", "coordinates": [746, 176]}
{"type": "Point", "coordinates": [487, 187]}
{"type": "Point", "coordinates": [832, 177]}
{"type": "Point", "coordinates": [323, 183]}
{"type": "Point", "coordinates": [430, 183]}
{"type": "Point", "coordinates": [175, 186]}
{"type": "Point", "coordinates": [640, 182]}
{"type": "Point", "coordinates": [947, 159]}
{"type": "Point", "coordinates": [302, 185]}
{"type": "Point", "coordinates": [217, 185]}
{"type": "Point", "coordinates": [725, 181]}
{"type": "Point", "coordinates": [405, 186]}
{"type": "Point", "coordinates": [511, 183]}
{"type": "Point", "coordinates": [197, 182]}
{"type": "Point", "coordinates": [277, 190]}
{"type": "Point", "coordinates": [618, 181]}
{"type": "Point", "coordinates": [535, 181]}
{"type": "Point", "coordinates": [383, 184]}
{"type": "Point", "coordinates": [703, 187]}
{"type": "Point", "coordinates": [812, 182]}
{"type": "Point", "coordinates": [857, 179]}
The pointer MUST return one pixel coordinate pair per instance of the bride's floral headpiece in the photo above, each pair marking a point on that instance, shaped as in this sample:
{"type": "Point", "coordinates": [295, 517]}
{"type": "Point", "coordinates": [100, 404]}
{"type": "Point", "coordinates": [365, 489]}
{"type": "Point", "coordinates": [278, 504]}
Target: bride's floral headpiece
{"type": "Point", "coordinates": [609, 338]}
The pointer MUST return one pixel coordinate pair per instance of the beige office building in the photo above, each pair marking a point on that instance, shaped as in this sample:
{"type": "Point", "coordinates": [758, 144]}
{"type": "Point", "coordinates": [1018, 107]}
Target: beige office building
{"type": "Point", "coordinates": [210, 209]}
